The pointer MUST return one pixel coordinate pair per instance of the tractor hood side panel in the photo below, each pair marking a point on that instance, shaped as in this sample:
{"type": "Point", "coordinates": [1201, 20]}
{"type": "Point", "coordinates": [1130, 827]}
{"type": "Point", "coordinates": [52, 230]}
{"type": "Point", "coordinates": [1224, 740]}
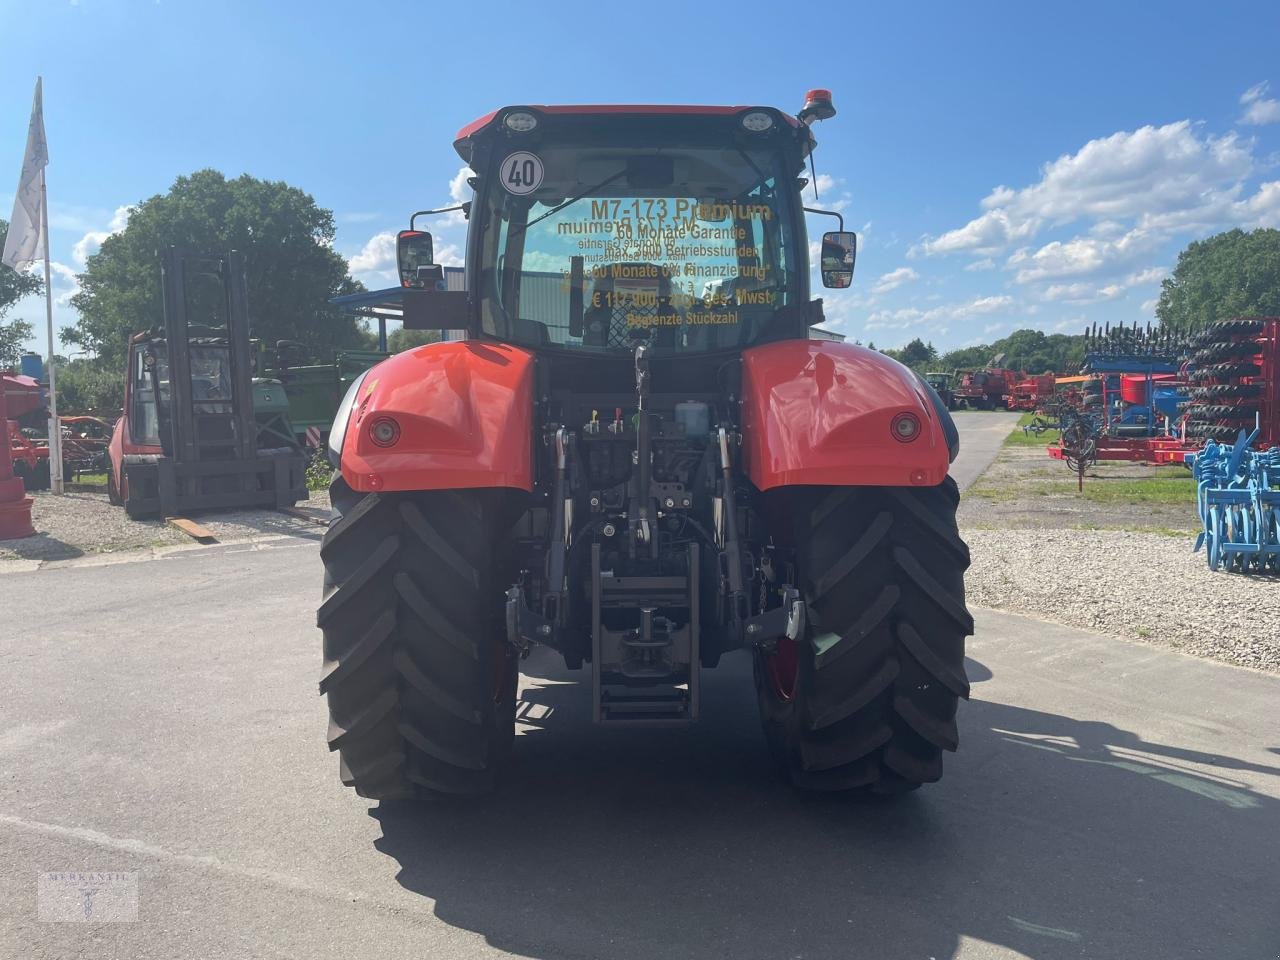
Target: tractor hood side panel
{"type": "Point", "coordinates": [820, 412]}
{"type": "Point", "coordinates": [465, 417]}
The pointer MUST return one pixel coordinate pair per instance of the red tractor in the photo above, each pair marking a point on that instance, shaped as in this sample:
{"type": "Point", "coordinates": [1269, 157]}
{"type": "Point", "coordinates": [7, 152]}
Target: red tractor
{"type": "Point", "coordinates": [638, 458]}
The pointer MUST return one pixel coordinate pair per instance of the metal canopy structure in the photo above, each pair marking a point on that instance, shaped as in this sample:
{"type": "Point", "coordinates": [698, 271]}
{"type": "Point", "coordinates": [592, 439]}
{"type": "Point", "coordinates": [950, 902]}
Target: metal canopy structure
{"type": "Point", "coordinates": [381, 305]}
{"type": "Point", "coordinates": [388, 304]}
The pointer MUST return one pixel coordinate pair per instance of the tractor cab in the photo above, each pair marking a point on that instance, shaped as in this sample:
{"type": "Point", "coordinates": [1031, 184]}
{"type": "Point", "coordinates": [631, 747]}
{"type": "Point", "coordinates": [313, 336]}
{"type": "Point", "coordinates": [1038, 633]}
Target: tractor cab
{"type": "Point", "coordinates": [595, 228]}
{"type": "Point", "coordinates": [941, 383]}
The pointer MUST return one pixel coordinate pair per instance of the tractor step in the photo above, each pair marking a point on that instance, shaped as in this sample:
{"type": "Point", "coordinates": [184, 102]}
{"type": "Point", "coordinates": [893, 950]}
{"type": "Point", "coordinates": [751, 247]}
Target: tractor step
{"type": "Point", "coordinates": [667, 707]}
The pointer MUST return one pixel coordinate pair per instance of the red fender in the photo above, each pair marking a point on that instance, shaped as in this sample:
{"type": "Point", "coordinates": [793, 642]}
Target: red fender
{"type": "Point", "coordinates": [465, 413]}
{"type": "Point", "coordinates": [819, 412]}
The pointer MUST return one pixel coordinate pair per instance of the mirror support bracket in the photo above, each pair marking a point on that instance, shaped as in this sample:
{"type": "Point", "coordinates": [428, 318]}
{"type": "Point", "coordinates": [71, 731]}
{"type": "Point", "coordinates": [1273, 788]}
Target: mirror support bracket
{"type": "Point", "coordinates": [826, 213]}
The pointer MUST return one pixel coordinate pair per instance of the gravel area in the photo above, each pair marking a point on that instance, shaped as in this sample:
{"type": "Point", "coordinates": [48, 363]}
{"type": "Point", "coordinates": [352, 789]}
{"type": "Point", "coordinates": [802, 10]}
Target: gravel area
{"type": "Point", "coordinates": [1140, 586]}
{"type": "Point", "coordinates": [81, 524]}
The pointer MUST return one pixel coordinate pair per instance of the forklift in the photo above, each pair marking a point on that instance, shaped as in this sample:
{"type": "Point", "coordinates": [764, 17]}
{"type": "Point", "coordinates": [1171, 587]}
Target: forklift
{"type": "Point", "coordinates": [197, 431]}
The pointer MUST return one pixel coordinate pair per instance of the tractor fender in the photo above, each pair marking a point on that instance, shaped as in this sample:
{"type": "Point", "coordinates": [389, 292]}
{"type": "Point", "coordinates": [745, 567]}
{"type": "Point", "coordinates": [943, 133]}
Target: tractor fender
{"type": "Point", "coordinates": [821, 412]}
{"type": "Point", "coordinates": [464, 412]}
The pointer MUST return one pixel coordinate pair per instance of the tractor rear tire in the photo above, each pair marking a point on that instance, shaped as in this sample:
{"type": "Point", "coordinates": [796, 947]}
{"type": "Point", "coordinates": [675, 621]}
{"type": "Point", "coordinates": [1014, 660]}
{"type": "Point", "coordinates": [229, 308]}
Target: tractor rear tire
{"type": "Point", "coordinates": [419, 678]}
{"type": "Point", "coordinates": [876, 680]}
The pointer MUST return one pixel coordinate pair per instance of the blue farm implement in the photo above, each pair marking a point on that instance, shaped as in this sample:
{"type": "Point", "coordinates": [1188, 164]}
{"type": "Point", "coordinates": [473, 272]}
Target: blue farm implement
{"type": "Point", "coordinates": [1238, 496]}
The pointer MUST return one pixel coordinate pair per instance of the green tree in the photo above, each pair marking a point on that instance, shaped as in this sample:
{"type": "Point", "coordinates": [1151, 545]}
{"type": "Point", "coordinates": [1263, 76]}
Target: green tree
{"type": "Point", "coordinates": [285, 238]}
{"type": "Point", "coordinates": [965, 358]}
{"type": "Point", "coordinates": [917, 353]}
{"type": "Point", "coordinates": [13, 287]}
{"type": "Point", "coordinates": [13, 336]}
{"type": "Point", "coordinates": [1231, 274]}
{"type": "Point", "coordinates": [89, 386]}
{"type": "Point", "coordinates": [401, 339]}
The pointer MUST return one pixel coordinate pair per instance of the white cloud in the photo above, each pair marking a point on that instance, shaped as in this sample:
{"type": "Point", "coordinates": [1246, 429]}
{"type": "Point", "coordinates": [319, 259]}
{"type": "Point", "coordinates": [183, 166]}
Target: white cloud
{"type": "Point", "coordinates": [92, 240]}
{"type": "Point", "coordinates": [448, 255]}
{"type": "Point", "coordinates": [827, 187]}
{"type": "Point", "coordinates": [1078, 292]}
{"type": "Point", "coordinates": [1150, 275]}
{"type": "Point", "coordinates": [1259, 109]}
{"type": "Point", "coordinates": [909, 317]}
{"type": "Point", "coordinates": [379, 254]}
{"type": "Point", "coordinates": [992, 231]}
{"type": "Point", "coordinates": [982, 305]}
{"type": "Point", "coordinates": [986, 263]}
{"type": "Point", "coordinates": [1161, 177]}
{"type": "Point", "coordinates": [1082, 291]}
{"type": "Point", "coordinates": [65, 284]}
{"type": "Point", "coordinates": [376, 261]}
{"type": "Point", "coordinates": [1263, 208]}
{"type": "Point", "coordinates": [894, 279]}
{"type": "Point", "coordinates": [1080, 256]}
{"type": "Point", "coordinates": [1149, 306]}
{"type": "Point", "coordinates": [459, 192]}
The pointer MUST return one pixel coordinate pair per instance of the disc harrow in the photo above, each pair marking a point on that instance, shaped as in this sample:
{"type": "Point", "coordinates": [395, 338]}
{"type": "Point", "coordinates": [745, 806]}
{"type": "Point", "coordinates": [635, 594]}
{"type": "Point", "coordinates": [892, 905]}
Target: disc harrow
{"type": "Point", "coordinates": [1238, 498]}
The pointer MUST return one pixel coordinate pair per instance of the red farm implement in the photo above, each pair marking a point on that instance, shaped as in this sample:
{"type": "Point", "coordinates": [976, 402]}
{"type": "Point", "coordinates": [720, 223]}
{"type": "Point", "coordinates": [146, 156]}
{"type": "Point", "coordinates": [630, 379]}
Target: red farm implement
{"type": "Point", "coordinates": [985, 389]}
{"type": "Point", "coordinates": [1031, 393]}
{"type": "Point", "coordinates": [1230, 383]}
{"type": "Point", "coordinates": [18, 395]}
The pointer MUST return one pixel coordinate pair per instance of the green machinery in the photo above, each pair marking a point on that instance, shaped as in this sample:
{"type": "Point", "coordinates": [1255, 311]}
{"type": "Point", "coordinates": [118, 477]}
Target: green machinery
{"type": "Point", "coordinates": [312, 390]}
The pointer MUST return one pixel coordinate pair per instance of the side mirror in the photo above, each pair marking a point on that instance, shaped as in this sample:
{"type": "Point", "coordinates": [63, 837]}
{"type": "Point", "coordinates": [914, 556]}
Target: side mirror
{"type": "Point", "coordinates": [413, 250]}
{"type": "Point", "coordinates": [839, 253]}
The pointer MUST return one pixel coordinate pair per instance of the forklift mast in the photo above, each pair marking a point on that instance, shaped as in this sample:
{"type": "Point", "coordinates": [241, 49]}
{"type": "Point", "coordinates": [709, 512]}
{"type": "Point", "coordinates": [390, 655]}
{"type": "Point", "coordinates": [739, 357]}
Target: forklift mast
{"type": "Point", "coordinates": [202, 428]}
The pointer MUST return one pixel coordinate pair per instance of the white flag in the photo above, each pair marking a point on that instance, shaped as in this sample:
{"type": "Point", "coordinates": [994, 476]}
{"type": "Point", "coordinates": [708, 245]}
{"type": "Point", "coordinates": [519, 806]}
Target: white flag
{"type": "Point", "coordinates": [24, 226]}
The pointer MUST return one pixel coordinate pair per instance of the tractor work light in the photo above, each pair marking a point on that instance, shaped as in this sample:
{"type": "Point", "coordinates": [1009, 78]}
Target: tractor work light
{"type": "Point", "coordinates": [520, 121]}
{"type": "Point", "coordinates": [757, 121]}
{"type": "Point", "coordinates": [384, 431]}
{"type": "Point", "coordinates": [905, 427]}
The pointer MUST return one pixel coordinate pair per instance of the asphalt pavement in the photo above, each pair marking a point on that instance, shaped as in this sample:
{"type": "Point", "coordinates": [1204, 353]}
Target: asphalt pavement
{"type": "Point", "coordinates": [161, 719]}
{"type": "Point", "coordinates": [981, 435]}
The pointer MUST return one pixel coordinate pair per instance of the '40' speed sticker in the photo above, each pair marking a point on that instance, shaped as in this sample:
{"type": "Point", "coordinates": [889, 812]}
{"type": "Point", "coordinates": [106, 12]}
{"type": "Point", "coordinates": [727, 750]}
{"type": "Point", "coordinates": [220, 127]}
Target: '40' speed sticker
{"type": "Point", "coordinates": [521, 173]}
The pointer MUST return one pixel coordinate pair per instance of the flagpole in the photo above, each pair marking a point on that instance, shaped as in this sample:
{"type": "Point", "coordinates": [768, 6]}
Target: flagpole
{"type": "Point", "coordinates": [55, 426]}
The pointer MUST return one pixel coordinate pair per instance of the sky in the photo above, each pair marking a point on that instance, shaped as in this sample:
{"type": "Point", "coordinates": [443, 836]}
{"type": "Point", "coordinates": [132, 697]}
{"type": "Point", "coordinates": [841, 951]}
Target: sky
{"type": "Point", "coordinates": [1005, 165]}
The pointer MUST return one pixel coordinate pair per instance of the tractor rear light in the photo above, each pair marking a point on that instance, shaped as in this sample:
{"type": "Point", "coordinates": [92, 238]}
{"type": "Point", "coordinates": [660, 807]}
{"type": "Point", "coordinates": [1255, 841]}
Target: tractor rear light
{"type": "Point", "coordinates": [757, 121]}
{"type": "Point", "coordinates": [384, 431]}
{"type": "Point", "coordinates": [520, 121]}
{"type": "Point", "coordinates": [905, 427]}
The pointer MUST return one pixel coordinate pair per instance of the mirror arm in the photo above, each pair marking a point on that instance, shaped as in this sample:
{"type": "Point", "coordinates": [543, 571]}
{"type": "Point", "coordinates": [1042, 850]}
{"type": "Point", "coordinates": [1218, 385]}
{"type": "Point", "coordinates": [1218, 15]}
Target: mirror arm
{"type": "Point", "coordinates": [424, 213]}
{"type": "Point", "coordinates": [826, 213]}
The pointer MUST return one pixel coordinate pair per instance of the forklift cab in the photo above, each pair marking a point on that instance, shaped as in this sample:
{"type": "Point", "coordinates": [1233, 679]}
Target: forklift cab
{"type": "Point", "coordinates": [150, 400]}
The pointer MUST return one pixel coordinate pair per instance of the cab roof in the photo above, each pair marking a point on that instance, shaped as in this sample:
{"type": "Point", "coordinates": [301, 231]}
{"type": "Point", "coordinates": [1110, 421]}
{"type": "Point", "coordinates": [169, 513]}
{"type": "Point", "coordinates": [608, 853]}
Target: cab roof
{"type": "Point", "coordinates": [461, 141]}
